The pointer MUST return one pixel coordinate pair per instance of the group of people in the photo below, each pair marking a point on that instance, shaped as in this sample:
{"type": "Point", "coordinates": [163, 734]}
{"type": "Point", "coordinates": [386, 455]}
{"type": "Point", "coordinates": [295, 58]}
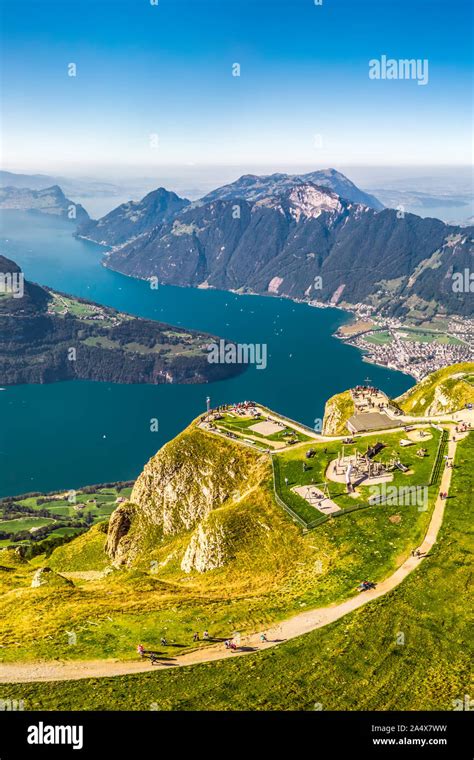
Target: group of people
{"type": "Point", "coordinates": [205, 636]}
{"type": "Point", "coordinates": [229, 643]}
{"type": "Point", "coordinates": [443, 495]}
{"type": "Point", "coordinates": [366, 585]}
{"type": "Point", "coordinates": [365, 390]}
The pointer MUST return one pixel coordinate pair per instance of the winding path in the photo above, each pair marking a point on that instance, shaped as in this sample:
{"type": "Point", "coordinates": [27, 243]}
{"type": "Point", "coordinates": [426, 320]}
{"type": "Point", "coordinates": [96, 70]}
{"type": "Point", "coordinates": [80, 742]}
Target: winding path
{"type": "Point", "coordinates": [288, 629]}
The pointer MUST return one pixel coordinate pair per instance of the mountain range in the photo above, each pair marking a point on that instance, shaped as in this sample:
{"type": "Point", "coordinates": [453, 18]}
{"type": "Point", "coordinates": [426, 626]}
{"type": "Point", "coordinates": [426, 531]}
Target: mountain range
{"type": "Point", "coordinates": [81, 187]}
{"type": "Point", "coordinates": [294, 237]}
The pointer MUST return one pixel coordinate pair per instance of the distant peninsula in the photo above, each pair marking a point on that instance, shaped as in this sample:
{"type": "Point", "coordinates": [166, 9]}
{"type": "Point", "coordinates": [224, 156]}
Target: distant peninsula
{"type": "Point", "coordinates": [47, 336]}
{"type": "Point", "coordinates": [49, 200]}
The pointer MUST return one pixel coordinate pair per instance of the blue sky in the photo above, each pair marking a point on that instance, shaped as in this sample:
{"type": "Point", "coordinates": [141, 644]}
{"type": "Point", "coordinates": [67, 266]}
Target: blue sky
{"type": "Point", "coordinates": [303, 96]}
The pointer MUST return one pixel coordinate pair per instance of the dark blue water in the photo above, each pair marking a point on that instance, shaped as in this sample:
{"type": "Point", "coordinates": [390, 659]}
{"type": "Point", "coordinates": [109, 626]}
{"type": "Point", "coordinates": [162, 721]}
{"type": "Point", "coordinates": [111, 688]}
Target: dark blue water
{"type": "Point", "coordinates": [65, 435]}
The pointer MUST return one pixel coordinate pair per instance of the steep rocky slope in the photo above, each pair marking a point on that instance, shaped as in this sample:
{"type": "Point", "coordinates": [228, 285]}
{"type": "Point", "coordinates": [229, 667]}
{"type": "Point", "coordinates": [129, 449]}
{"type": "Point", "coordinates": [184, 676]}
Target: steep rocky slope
{"type": "Point", "coordinates": [306, 242]}
{"type": "Point", "coordinates": [131, 219]}
{"type": "Point", "coordinates": [197, 486]}
{"type": "Point", "coordinates": [337, 411]}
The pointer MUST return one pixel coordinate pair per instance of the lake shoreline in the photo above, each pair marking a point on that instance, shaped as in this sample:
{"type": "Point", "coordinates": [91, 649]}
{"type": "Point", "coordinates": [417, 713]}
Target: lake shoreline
{"type": "Point", "coordinates": [367, 356]}
{"type": "Point", "coordinates": [64, 434]}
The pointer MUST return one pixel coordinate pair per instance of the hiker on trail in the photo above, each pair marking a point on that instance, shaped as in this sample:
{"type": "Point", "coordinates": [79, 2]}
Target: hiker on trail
{"type": "Point", "coordinates": [205, 635]}
{"type": "Point", "coordinates": [141, 650]}
{"type": "Point", "coordinates": [163, 642]}
{"type": "Point", "coordinates": [196, 637]}
{"type": "Point", "coordinates": [263, 637]}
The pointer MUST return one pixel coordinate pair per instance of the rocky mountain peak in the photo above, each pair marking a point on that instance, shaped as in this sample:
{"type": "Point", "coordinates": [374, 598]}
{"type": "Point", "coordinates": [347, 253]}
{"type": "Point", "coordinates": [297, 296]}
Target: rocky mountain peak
{"type": "Point", "coordinates": [302, 200]}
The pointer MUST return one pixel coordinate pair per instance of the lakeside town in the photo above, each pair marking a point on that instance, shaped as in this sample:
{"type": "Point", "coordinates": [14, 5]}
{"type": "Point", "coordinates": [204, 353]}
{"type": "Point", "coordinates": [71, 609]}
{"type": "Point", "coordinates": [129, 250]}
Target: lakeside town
{"type": "Point", "coordinates": [416, 350]}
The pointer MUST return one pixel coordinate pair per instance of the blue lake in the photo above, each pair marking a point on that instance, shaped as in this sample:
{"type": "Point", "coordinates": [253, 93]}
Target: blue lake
{"type": "Point", "coordinates": [69, 434]}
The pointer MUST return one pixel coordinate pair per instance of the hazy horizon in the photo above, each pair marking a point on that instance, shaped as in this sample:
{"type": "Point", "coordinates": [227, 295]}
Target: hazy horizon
{"type": "Point", "coordinates": [271, 83]}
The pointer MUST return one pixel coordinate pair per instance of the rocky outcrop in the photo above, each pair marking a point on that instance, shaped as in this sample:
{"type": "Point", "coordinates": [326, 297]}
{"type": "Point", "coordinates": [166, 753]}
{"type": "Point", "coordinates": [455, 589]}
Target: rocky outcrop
{"type": "Point", "coordinates": [220, 537]}
{"type": "Point", "coordinates": [206, 550]}
{"type": "Point", "coordinates": [44, 576]}
{"type": "Point", "coordinates": [337, 411]}
{"type": "Point", "coordinates": [179, 489]}
{"type": "Point", "coordinates": [118, 539]}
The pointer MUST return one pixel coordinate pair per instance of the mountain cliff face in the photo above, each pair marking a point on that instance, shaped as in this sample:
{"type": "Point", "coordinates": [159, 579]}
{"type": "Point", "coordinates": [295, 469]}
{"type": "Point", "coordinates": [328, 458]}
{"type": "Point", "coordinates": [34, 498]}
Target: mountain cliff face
{"type": "Point", "coordinates": [47, 336]}
{"type": "Point", "coordinates": [306, 242]}
{"type": "Point", "coordinates": [131, 219]}
{"type": "Point", "coordinates": [337, 411]}
{"type": "Point", "coordinates": [252, 187]}
{"type": "Point", "coordinates": [50, 200]}
{"type": "Point", "coordinates": [196, 486]}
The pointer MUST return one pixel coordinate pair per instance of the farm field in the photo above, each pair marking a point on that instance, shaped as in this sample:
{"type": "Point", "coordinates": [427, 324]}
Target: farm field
{"type": "Point", "coordinates": [378, 337]}
{"type": "Point", "coordinates": [27, 523]}
{"type": "Point", "coordinates": [82, 509]}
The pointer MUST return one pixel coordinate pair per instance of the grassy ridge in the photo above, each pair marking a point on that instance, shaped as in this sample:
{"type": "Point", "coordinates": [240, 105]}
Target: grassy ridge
{"type": "Point", "coordinates": [451, 382]}
{"type": "Point", "coordinates": [357, 663]}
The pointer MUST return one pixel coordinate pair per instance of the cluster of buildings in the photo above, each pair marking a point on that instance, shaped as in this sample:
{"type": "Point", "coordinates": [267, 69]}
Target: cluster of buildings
{"type": "Point", "coordinates": [417, 357]}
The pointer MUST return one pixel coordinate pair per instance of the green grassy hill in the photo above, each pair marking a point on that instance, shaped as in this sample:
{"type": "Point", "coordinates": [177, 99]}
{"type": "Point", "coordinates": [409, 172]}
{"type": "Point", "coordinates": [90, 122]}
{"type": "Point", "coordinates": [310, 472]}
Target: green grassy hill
{"type": "Point", "coordinates": [85, 553]}
{"type": "Point", "coordinates": [444, 391]}
{"type": "Point", "coordinates": [202, 545]}
{"type": "Point", "coordinates": [410, 650]}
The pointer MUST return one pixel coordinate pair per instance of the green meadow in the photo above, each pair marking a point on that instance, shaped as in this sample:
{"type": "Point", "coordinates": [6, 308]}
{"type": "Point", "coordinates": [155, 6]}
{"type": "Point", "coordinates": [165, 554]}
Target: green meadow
{"type": "Point", "coordinates": [409, 650]}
